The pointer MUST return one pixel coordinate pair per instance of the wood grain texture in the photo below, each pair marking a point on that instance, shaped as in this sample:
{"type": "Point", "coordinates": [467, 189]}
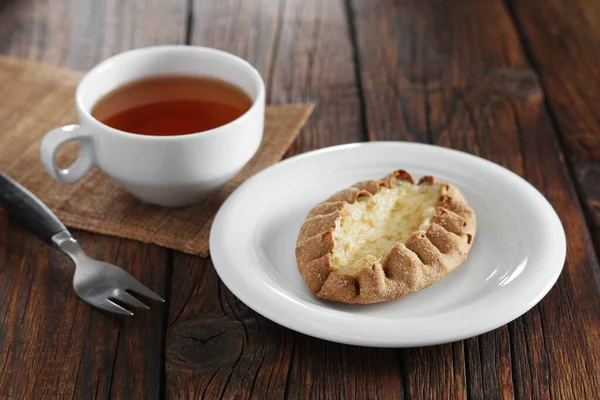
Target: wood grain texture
{"type": "Point", "coordinates": [51, 343]}
{"type": "Point", "coordinates": [429, 71]}
{"type": "Point", "coordinates": [561, 37]}
{"type": "Point", "coordinates": [216, 346]}
{"type": "Point", "coordinates": [451, 80]}
{"type": "Point", "coordinates": [315, 61]}
{"type": "Point", "coordinates": [303, 52]}
{"type": "Point", "coordinates": [55, 345]}
{"type": "Point", "coordinates": [78, 34]}
{"type": "Point", "coordinates": [434, 372]}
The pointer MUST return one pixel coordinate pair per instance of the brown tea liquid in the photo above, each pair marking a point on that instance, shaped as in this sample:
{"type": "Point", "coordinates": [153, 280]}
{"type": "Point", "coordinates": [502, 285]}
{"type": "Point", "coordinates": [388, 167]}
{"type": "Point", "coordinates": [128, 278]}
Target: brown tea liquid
{"type": "Point", "coordinates": [171, 105]}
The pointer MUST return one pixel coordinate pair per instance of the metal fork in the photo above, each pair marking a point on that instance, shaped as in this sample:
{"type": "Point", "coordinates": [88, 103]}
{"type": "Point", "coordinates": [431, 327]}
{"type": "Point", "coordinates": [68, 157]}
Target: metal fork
{"type": "Point", "coordinates": [100, 284]}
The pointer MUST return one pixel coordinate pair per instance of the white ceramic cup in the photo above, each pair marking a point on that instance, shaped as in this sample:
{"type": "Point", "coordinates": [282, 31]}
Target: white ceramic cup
{"type": "Point", "coordinates": [165, 170]}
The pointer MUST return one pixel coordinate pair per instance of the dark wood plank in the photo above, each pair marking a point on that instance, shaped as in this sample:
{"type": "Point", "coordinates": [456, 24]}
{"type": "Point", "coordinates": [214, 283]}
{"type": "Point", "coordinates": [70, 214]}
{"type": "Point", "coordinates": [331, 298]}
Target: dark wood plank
{"type": "Point", "coordinates": [530, 381]}
{"type": "Point", "coordinates": [216, 346]}
{"type": "Point", "coordinates": [78, 34]}
{"type": "Point", "coordinates": [434, 372]}
{"type": "Point", "coordinates": [396, 74]}
{"type": "Point", "coordinates": [435, 71]}
{"type": "Point", "coordinates": [322, 370]}
{"type": "Point", "coordinates": [561, 38]}
{"type": "Point", "coordinates": [51, 343]}
{"type": "Point", "coordinates": [569, 315]}
{"type": "Point", "coordinates": [303, 52]}
{"type": "Point", "coordinates": [315, 62]}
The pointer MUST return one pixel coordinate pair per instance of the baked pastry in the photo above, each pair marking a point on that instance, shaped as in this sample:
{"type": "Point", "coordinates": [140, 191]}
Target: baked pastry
{"type": "Point", "coordinates": [382, 239]}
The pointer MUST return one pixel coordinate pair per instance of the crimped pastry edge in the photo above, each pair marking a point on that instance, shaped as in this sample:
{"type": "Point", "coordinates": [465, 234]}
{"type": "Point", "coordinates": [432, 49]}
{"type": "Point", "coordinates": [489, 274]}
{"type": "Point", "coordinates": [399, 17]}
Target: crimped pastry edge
{"type": "Point", "coordinates": [424, 259]}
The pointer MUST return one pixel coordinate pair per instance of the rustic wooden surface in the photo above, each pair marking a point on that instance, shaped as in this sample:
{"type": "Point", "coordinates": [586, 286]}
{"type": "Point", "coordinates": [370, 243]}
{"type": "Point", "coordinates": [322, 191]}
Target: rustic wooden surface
{"type": "Point", "coordinates": [515, 82]}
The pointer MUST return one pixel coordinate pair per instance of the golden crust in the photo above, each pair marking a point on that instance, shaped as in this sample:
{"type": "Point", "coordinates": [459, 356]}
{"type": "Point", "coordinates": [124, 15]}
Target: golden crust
{"type": "Point", "coordinates": [422, 260]}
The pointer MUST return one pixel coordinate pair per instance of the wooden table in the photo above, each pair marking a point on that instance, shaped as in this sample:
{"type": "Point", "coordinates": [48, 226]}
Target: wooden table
{"type": "Point", "coordinates": [515, 81]}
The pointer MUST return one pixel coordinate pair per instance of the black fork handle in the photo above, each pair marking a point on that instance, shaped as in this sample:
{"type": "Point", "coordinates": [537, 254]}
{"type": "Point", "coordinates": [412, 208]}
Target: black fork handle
{"type": "Point", "coordinates": [29, 211]}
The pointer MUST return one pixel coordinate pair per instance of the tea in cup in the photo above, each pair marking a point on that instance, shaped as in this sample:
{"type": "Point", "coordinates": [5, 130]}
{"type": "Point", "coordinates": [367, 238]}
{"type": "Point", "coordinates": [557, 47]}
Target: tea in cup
{"type": "Point", "coordinates": [169, 124]}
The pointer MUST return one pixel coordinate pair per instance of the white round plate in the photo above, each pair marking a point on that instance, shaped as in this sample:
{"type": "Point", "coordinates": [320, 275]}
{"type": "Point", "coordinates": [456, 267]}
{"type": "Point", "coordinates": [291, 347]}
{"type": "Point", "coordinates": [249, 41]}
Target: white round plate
{"type": "Point", "coordinates": [517, 255]}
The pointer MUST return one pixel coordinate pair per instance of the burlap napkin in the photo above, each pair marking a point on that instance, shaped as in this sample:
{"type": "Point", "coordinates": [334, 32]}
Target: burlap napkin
{"type": "Point", "coordinates": [35, 98]}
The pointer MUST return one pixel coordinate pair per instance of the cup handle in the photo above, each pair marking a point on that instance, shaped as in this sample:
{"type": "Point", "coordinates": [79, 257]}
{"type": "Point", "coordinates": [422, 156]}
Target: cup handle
{"type": "Point", "coordinates": [52, 142]}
